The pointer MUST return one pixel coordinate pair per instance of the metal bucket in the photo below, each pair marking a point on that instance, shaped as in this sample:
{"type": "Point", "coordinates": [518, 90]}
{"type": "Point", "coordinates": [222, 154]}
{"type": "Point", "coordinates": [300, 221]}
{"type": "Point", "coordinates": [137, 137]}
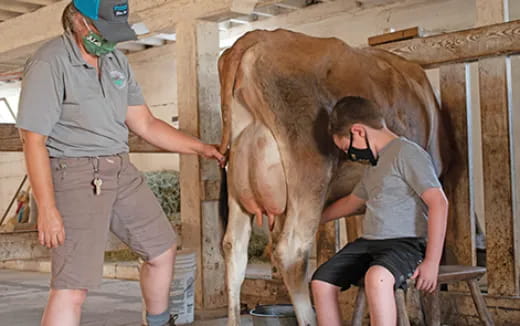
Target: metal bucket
{"type": "Point", "coordinates": [274, 315]}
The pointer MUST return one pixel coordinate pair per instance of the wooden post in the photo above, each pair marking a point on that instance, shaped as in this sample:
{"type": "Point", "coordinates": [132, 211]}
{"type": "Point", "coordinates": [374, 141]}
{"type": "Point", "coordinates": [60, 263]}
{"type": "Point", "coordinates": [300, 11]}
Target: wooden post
{"type": "Point", "coordinates": [501, 245]}
{"type": "Point", "coordinates": [199, 115]}
{"type": "Point", "coordinates": [325, 242]}
{"type": "Point", "coordinates": [460, 235]}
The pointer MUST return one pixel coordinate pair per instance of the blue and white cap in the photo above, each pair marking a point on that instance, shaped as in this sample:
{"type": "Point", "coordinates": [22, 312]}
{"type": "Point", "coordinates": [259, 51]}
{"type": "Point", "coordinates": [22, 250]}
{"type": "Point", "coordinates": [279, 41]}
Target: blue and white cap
{"type": "Point", "coordinates": [109, 16]}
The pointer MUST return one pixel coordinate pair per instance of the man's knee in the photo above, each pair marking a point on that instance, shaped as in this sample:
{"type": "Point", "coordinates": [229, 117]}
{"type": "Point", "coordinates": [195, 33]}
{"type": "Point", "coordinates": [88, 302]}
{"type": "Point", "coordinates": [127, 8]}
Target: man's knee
{"type": "Point", "coordinates": [166, 258]}
{"type": "Point", "coordinates": [378, 277]}
{"type": "Point", "coordinates": [75, 297]}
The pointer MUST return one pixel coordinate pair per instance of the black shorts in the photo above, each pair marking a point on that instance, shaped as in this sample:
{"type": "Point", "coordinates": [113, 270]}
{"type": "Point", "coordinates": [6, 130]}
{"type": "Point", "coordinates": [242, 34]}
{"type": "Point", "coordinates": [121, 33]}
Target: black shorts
{"type": "Point", "coordinates": [400, 256]}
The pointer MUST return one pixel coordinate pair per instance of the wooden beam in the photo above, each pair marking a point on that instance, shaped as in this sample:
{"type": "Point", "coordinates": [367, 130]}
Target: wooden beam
{"type": "Point", "coordinates": [10, 141]}
{"type": "Point", "coordinates": [9, 138]}
{"type": "Point", "coordinates": [460, 46]}
{"type": "Point", "coordinates": [18, 7]}
{"type": "Point", "coordinates": [39, 2]}
{"type": "Point", "coordinates": [401, 35]}
{"type": "Point", "coordinates": [460, 236]}
{"type": "Point", "coordinates": [6, 15]}
{"type": "Point", "coordinates": [502, 277]}
{"type": "Point", "coordinates": [325, 242]}
{"type": "Point", "coordinates": [501, 245]}
{"type": "Point", "coordinates": [199, 115]}
{"type": "Point", "coordinates": [243, 6]}
{"type": "Point", "coordinates": [18, 36]}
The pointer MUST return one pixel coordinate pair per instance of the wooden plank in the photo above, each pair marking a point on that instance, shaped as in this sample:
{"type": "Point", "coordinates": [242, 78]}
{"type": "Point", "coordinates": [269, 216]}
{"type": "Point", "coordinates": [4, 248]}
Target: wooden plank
{"type": "Point", "coordinates": [9, 138]}
{"type": "Point", "coordinates": [460, 235]}
{"type": "Point", "coordinates": [187, 90]}
{"type": "Point", "coordinates": [460, 46]}
{"type": "Point", "coordinates": [401, 35]}
{"type": "Point", "coordinates": [515, 118]}
{"type": "Point", "coordinates": [243, 6]}
{"type": "Point", "coordinates": [10, 141]}
{"type": "Point", "coordinates": [325, 242]}
{"type": "Point", "coordinates": [199, 115]}
{"type": "Point", "coordinates": [208, 50]}
{"type": "Point", "coordinates": [503, 274]}
{"type": "Point", "coordinates": [503, 279]}
{"type": "Point", "coordinates": [18, 7]}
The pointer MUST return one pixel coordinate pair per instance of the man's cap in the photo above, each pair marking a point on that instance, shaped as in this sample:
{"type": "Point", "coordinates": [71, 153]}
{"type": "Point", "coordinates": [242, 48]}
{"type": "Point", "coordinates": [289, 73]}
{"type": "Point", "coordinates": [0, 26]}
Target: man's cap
{"type": "Point", "coordinates": [109, 16]}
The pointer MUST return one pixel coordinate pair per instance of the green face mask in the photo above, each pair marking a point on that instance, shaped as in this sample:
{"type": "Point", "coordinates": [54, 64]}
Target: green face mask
{"type": "Point", "coordinates": [96, 45]}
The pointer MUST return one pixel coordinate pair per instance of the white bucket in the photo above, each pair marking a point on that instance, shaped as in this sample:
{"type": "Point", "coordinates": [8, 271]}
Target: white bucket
{"type": "Point", "coordinates": [182, 288]}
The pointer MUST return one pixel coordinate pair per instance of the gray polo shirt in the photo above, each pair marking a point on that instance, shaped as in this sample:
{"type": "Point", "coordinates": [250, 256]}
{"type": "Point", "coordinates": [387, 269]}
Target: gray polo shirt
{"type": "Point", "coordinates": [63, 98]}
{"type": "Point", "coordinates": [392, 190]}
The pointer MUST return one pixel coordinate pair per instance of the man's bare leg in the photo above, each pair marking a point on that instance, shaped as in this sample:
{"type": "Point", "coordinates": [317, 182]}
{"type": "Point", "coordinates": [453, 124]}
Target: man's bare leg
{"type": "Point", "coordinates": [379, 288]}
{"type": "Point", "coordinates": [156, 276]}
{"type": "Point", "coordinates": [63, 307]}
{"type": "Point", "coordinates": [326, 302]}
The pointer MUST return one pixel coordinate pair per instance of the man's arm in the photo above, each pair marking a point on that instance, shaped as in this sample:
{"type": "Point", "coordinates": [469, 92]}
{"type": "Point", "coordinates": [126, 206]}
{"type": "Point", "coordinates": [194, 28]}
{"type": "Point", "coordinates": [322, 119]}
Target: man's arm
{"type": "Point", "coordinates": [50, 225]}
{"type": "Point", "coordinates": [342, 207]}
{"type": "Point", "coordinates": [157, 132]}
{"type": "Point", "coordinates": [428, 271]}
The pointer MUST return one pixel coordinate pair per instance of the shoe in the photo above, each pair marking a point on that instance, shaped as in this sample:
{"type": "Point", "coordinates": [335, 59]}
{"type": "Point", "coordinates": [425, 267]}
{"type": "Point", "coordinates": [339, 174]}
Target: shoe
{"type": "Point", "coordinates": [172, 320]}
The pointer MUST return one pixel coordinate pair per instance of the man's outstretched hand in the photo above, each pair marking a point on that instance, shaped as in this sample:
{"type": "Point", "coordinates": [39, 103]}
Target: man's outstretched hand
{"type": "Point", "coordinates": [212, 152]}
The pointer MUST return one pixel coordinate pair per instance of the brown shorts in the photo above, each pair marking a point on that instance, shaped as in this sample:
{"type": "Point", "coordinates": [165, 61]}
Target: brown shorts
{"type": "Point", "coordinates": [125, 206]}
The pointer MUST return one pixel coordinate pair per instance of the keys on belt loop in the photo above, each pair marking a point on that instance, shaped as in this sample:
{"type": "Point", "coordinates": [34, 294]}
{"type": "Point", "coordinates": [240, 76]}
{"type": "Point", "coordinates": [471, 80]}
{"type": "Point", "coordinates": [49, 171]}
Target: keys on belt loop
{"type": "Point", "coordinates": [97, 182]}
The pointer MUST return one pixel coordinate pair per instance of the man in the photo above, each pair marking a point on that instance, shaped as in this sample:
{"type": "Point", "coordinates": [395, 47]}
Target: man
{"type": "Point", "coordinates": [405, 205]}
{"type": "Point", "coordinates": [79, 98]}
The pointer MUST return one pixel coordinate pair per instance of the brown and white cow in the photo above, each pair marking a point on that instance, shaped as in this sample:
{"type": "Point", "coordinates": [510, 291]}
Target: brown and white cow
{"type": "Point", "coordinates": [277, 91]}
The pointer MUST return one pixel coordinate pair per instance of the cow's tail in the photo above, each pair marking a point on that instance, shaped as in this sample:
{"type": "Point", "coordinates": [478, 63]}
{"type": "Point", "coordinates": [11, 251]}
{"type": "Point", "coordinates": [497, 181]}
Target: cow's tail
{"type": "Point", "coordinates": [228, 66]}
{"type": "Point", "coordinates": [223, 206]}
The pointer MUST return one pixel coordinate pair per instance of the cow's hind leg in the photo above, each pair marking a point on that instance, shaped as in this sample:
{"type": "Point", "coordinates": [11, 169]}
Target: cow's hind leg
{"type": "Point", "coordinates": [291, 256]}
{"type": "Point", "coordinates": [235, 245]}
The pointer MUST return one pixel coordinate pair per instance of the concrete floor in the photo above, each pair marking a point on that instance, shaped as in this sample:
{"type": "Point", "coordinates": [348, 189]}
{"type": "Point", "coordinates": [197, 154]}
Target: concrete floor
{"type": "Point", "coordinates": [116, 303]}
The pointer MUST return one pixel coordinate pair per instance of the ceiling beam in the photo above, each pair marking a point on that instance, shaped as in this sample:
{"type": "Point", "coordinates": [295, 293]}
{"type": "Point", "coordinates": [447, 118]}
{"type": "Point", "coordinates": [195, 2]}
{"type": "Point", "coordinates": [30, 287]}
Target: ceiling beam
{"type": "Point", "coordinates": [5, 15]}
{"type": "Point", "coordinates": [460, 46]}
{"type": "Point", "coordinates": [18, 36]}
{"type": "Point", "coordinates": [39, 2]}
{"type": "Point", "coordinates": [18, 7]}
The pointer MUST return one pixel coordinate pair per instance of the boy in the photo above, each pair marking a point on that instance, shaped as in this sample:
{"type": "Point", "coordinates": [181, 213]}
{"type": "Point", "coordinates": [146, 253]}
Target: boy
{"type": "Point", "coordinates": [405, 204]}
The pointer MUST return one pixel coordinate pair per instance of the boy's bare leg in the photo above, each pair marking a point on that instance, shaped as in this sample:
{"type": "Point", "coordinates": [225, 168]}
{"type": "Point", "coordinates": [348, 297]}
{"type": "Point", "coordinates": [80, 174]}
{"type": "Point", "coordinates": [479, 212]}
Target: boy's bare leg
{"type": "Point", "coordinates": [379, 288]}
{"type": "Point", "coordinates": [156, 276]}
{"type": "Point", "coordinates": [326, 303]}
{"type": "Point", "coordinates": [63, 307]}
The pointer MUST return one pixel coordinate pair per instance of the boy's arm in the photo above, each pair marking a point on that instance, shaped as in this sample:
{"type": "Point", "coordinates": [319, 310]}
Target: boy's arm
{"type": "Point", "coordinates": [428, 270]}
{"type": "Point", "coordinates": [342, 207]}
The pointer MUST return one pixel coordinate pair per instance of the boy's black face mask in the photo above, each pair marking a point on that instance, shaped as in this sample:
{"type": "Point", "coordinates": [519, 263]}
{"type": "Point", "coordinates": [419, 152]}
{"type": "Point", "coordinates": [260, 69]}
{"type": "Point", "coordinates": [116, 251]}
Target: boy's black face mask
{"type": "Point", "coordinates": [364, 155]}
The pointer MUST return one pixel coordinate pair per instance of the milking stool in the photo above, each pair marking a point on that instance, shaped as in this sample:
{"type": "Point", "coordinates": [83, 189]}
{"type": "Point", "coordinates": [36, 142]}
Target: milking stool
{"type": "Point", "coordinates": [447, 274]}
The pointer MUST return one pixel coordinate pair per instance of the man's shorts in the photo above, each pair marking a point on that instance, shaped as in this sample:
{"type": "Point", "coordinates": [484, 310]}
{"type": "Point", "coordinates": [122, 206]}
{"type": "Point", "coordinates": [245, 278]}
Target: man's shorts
{"type": "Point", "coordinates": [400, 256]}
{"type": "Point", "coordinates": [125, 206]}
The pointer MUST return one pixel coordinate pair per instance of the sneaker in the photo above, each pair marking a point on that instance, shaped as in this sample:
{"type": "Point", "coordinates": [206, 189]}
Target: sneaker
{"type": "Point", "coordinates": [172, 320]}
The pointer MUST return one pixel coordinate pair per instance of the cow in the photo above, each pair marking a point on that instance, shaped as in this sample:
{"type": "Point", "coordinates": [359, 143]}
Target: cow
{"type": "Point", "coordinates": [277, 90]}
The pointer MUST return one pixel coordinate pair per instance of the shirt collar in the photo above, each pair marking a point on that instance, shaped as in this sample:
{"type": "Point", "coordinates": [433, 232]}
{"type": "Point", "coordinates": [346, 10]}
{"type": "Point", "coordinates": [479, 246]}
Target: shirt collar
{"type": "Point", "coordinates": [73, 50]}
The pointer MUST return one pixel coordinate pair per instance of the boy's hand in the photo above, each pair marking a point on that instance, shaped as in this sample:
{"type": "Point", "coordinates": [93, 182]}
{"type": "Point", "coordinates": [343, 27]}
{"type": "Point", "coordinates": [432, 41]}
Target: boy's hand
{"type": "Point", "coordinates": [425, 276]}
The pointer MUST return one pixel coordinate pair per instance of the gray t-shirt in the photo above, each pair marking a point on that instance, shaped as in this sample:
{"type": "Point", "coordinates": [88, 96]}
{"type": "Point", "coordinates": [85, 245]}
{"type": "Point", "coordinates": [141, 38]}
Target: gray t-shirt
{"type": "Point", "coordinates": [392, 190]}
{"type": "Point", "coordinates": [83, 114]}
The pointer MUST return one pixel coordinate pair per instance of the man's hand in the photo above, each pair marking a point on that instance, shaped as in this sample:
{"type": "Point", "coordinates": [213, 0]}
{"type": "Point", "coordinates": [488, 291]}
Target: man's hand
{"type": "Point", "coordinates": [425, 276]}
{"type": "Point", "coordinates": [51, 232]}
{"type": "Point", "coordinates": [212, 152]}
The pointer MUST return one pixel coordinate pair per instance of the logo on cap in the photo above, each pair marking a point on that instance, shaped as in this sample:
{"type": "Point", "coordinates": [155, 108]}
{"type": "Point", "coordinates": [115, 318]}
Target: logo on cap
{"type": "Point", "coordinates": [121, 10]}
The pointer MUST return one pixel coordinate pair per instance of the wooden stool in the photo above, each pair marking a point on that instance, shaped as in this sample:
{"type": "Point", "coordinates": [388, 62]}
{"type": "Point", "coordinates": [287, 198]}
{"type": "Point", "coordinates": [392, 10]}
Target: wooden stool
{"type": "Point", "coordinates": [447, 274]}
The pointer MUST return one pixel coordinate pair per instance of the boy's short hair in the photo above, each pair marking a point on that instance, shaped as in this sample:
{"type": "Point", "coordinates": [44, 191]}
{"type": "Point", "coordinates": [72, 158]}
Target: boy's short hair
{"type": "Point", "coordinates": [354, 109]}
